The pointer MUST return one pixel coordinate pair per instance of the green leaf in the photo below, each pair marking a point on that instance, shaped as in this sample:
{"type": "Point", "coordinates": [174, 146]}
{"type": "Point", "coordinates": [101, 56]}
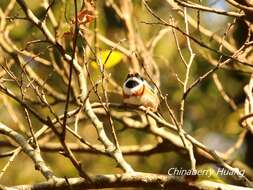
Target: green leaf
{"type": "Point", "coordinates": [108, 58]}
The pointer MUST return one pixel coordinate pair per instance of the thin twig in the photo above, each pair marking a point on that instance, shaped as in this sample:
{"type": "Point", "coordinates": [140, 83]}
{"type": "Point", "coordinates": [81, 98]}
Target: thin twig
{"type": "Point", "coordinates": [70, 72]}
{"type": "Point", "coordinates": [209, 9]}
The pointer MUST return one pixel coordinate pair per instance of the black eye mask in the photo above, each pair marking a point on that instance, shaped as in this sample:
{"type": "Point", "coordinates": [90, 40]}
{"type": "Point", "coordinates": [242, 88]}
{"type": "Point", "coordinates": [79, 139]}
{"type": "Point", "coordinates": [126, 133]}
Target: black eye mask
{"type": "Point", "coordinates": [132, 84]}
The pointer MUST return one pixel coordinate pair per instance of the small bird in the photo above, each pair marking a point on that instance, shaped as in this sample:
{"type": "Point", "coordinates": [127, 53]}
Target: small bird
{"type": "Point", "coordinates": [137, 91]}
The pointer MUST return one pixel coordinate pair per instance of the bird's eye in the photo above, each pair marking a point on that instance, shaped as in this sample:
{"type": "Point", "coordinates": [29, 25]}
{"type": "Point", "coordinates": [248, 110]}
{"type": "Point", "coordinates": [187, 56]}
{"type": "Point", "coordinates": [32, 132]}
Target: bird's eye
{"type": "Point", "coordinates": [137, 75]}
{"type": "Point", "coordinates": [128, 76]}
{"type": "Point", "coordinates": [131, 84]}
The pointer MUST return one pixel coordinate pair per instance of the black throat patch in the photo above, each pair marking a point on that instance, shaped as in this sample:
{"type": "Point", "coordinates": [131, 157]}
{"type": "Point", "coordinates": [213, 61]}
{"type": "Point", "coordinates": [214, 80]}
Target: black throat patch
{"type": "Point", "coordinates": [132, 84]}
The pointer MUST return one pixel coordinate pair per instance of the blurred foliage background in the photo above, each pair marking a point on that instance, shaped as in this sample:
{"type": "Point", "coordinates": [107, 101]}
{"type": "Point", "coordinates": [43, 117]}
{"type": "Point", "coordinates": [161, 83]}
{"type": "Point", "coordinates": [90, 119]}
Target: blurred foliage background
{"type": "Point", "coordinates": [207, 116]}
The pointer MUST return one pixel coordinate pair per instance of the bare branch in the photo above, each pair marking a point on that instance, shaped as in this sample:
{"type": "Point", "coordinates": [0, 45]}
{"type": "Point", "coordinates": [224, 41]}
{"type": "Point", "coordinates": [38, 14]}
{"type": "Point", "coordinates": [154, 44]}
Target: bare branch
{"type": "Point", "coordinates": [136, 179]}
{"type": "Point", "coordinates": [29, 150]}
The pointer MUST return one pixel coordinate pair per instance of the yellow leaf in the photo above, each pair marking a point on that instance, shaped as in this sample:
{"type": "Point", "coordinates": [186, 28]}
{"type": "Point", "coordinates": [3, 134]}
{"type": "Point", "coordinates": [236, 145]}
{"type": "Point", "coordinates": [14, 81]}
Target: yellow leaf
{"type": "Point", "coordinates": [108, 58]}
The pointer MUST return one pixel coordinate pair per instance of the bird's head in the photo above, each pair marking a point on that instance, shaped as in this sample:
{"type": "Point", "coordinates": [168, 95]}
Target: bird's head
{"type": "Point", "coordinates": [133, 85]}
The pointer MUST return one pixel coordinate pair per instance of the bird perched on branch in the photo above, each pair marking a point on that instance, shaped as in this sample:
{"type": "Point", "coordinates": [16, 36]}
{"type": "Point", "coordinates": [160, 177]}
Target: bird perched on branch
{"type": "Point", "coordinates": [137, 91]}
